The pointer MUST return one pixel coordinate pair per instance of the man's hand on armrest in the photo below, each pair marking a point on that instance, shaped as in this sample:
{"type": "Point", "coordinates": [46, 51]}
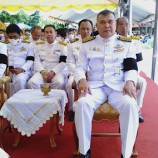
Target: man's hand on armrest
{"type": "Point", "coordinates": [83, 87]}
{"type": "Point", "coordinates": [130, 89]}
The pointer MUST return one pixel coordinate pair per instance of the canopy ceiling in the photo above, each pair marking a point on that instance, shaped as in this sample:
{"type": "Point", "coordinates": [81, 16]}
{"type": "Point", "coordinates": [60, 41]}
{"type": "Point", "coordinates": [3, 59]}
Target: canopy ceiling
{"type": "Point", "coordinates": [143, 9]}
{"type": "Point", "coordinates": [62, 5]}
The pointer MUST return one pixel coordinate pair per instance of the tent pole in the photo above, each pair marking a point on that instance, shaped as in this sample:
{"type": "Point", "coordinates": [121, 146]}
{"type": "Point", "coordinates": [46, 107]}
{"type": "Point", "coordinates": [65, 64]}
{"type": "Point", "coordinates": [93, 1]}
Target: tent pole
{"type": "Point", "coordinates": [130, 16]}
{"type": "Point", "coordinates": [155, 44]}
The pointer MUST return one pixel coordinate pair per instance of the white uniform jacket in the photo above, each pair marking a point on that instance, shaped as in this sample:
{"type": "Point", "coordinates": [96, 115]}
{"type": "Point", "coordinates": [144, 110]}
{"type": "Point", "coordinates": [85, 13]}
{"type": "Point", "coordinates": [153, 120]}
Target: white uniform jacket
{"type": "Point", "coordinates": [3, 58]}
{"type": "Point", "coordinates": [73, 54]}
{"type": "Point", "coordinates": [49, 57]}
{"type": "Point", "coordinates": [104, 58]}
{"type": "Point", "coordinates": [21, 56]}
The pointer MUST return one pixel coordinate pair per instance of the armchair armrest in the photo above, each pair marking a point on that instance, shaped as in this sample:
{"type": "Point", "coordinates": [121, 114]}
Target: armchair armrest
{"type": "Point", "coordinates": [3, 96]}
{"type": "Point", "coordinates": [4, 80]}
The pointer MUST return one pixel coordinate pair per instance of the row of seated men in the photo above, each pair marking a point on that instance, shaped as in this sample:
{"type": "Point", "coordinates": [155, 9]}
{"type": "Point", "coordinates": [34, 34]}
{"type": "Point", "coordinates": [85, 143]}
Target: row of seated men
{"type": "Point", "coordinates": [28, 61]}
{"type": "Point", "coordinates": [29, 57]}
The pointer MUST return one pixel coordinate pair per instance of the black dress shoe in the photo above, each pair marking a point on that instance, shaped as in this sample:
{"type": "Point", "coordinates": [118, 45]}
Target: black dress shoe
{"type": "Point", "coordinates": [141, 119]}
{"type": "Point", "coordinates": [87, 154]}
{"type": "Point", "coordinates": [71, 116]}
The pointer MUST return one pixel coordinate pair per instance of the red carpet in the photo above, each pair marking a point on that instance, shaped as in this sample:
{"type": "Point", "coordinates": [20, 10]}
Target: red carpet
{"type": "Point", "coordinates": [37, 146]}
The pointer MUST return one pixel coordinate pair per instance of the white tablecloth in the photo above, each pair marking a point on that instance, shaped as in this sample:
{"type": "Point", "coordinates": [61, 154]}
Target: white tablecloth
{"type": "Point", "coordinates": [28, 109]}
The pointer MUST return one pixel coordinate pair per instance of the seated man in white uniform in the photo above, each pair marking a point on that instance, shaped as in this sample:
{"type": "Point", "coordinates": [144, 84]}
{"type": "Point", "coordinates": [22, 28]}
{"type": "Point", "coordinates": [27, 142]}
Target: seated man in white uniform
{"type": "Point", "coordinates": [85, 28]}
{"type": "Point", "coordinates": [35, 34]}
{"type": "Point", "coordinates": [50, 59]}
{"type": "Point", "coordinates": [3, 58]}
{"type": "Point", "coordinates": [21, 58]}
{"type": "Point", "coordinates": [112, 77]}
{"type": "Point", "coordinates": [123, 30]}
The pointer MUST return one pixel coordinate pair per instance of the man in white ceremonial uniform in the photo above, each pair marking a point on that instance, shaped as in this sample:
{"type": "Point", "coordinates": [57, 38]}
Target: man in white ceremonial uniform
{"type": "Point", "coordinates": [50, 59]}
{"type": "Point", "coordinates": [85, 28]}
{"type": "Point", "coordinates": [123, 30]}
{"type": "Point", "coordinates": [35, 36]}
{"type": "Point", "coordinates": [3, 59]}
{"type": "Point", "coordinates": [112, 77]}
{"type": "Point", "coordinates": [21, 58]}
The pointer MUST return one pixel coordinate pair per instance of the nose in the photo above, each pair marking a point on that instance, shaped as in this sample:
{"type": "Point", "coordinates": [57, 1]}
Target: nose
{"type": "Point", "coordinates": [106, 25]}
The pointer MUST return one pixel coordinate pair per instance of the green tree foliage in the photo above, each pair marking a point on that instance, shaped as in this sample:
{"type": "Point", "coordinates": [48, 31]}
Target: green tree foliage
{"type": "Point", "coordinates": [20, 17]}
{"type": "Point", "coordinates": [31, 20]}
{"type": "Point", "coordinates": [57, 25]}
{"type": "Point", "coordinates": [34, 19]}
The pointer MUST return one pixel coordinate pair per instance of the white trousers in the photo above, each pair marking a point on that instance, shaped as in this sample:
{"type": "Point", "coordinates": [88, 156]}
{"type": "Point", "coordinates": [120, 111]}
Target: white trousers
{"type": "Point", "coordinates": [127, 107]}
{"type": "Point", "coordinates": [70, 92]}
{"type": "Point", "coordinates": [19, 82]}
{"type": "Point", "coordinates": [58, 82]}
{"type": "Point", "coordinates": [141, 92]}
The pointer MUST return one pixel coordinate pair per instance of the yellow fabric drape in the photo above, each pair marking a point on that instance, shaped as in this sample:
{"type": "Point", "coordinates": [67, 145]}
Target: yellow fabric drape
{"type": "Point", "coordinates": [60, 8]}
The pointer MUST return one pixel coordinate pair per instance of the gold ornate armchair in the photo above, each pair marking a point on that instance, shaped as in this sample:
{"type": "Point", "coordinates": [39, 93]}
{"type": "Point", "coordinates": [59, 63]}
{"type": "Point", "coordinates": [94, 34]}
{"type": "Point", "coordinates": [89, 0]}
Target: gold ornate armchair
{"type": "Point", "coordinates": [3, 97]}
{"type": "Point", "coordinates": [105, 112]}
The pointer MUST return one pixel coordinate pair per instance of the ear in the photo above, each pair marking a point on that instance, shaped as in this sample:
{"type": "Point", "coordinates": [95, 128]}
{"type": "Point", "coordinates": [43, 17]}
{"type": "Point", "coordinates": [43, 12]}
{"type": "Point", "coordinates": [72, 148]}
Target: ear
{"type": "Point", "coordinates": [96, 26]}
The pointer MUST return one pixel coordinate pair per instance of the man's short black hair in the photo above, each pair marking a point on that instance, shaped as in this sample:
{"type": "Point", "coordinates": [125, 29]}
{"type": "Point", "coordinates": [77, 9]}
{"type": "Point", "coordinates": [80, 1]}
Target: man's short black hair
{"type": "Point", "coordinates": [105, 13]}
{"type": "Point", "coordinates": [2, 30]}
{"type": "Point", "coordinates": [85, 20]}
{"type": "Point", "coordinates": [62, 32]}
{"type": "Point", "coordinates": [49, 26]}
{"type": "Point", "coordinates": [13, 28]}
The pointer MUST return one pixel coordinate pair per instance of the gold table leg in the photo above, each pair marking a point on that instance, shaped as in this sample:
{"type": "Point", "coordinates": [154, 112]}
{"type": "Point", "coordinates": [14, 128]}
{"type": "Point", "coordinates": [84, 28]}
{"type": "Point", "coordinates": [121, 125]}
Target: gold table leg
{"type": "Point", "coordinates": [54, 124]}
{"type": "Point", "coordinates": [52, 131]}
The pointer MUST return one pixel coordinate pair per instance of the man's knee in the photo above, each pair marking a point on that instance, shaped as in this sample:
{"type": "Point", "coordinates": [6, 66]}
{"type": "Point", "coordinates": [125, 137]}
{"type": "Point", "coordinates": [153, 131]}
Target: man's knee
{"type": "Point", "coordinates": [81, 104]}
{"type": "Point", "coordinates": [129, 104]}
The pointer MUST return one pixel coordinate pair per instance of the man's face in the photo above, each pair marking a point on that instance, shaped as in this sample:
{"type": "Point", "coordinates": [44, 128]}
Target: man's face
{"type": "Point", "coordinates": [85, 29]}
{"type": "Point", "coordinates": [106, 25]}
{"type": "Point", "coordinates": [123, 27]}
{"type": "Point", "coordinates": [50, 33]}
{"type": "Point", "coordinates": [36, 34]}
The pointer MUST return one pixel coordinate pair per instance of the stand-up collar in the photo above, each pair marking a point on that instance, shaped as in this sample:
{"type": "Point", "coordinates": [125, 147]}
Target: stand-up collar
{"type": "Point", "coordinates": [107, 40]}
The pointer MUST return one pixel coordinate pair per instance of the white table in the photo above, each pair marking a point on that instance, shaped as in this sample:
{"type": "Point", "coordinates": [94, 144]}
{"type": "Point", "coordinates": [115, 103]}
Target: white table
{"type": "Point", "coordinates": [28, 110]}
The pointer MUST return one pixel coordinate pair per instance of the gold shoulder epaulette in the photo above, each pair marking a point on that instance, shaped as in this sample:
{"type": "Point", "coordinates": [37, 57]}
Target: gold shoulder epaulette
{"type": "Point", "coordinates": [88, 39]}
{"type": "Point", "coordinates": [25, 38]}
{"type": "Point", "coordinates": [63, 43]}
{"type": "Point", "coordinates": [6, 42]}
{"type": "Point", "coordinates": [1, 41]}
{"type": "Point", "coordinates": [23, 41]}
{"type": "Point", "coordinates": [42, 39]}
{"type": "Point", "coordinates": [39, 43]}
{"type": "Point", "coordinates": [126, 39]}
{"type": "Point", "coordinates": [135, 37]}
{"type": "Point", "coordinates": [74, 40]}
